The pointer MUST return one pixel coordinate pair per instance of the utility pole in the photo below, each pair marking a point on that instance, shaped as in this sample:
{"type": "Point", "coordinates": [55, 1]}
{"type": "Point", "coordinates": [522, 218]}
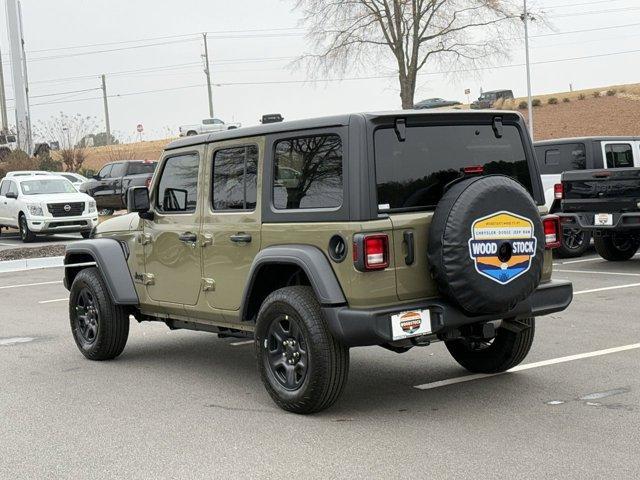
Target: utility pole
{"type": "Point", "coordinates": [4, 122]}
{"type": "Point", "coordinates": [525, 19]}
{"type": "Point", "coordinates": [106, 109]}
{"type": "Point", "coordinates": [207, 71]}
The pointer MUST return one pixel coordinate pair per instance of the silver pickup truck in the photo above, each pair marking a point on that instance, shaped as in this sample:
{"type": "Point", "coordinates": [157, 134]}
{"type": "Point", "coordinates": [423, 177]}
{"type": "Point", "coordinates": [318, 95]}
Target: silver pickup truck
{"type": "Point", "coordinates": [208, 125]}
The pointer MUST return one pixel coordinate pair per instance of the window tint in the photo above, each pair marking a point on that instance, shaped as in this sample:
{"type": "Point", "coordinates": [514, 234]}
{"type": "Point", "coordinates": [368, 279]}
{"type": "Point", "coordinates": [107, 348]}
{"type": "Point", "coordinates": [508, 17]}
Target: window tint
{"type": "Point", "coordinates": [4, 187]}
{"type": "Point", "coordinates": [69, 177]}
{"type": "Point", "coordinates": [13, 188]}
{"type": "Point", "coordinates": [118, 170]}
{"type": "Point", "coordinates": [308, 173]}
{"type": "Point", "coordinates": [235, 178]}
{"type": "Point", "coordinates": [619, 155]}
{"type": "Point", "coordinates": [105, 172]}
{"type": "Point", "coordinates": [561, 158]}
{"type": "Point", "coordinates": [412, 174]}
{"type": "Point", "coordinates": [177, 189]}
{"type": "Point", "coordinates": [139, 168]}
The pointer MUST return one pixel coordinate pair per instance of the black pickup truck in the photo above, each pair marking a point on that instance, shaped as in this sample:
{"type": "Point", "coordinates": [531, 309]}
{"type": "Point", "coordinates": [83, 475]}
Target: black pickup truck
{"type": "Point", "coordinates": [109, 187]}
{"type": "Point", "coordinates": [605, 202]}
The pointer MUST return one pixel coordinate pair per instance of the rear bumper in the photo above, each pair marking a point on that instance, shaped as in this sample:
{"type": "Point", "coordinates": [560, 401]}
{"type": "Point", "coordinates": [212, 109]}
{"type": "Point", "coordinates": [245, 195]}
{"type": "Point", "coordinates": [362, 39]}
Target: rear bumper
{"type": "Point", "coordinates": [621, 221]}
{"type": "Point", "coordinates": [373, 326]}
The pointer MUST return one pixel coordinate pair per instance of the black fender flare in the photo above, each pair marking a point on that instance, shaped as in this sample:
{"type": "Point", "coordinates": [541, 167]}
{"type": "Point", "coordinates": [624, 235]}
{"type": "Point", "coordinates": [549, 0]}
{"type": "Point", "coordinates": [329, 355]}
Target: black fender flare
{"type": "Point", "coordinates": [110, 259]}
{"type": "Point", "coordinates": [311, 260]}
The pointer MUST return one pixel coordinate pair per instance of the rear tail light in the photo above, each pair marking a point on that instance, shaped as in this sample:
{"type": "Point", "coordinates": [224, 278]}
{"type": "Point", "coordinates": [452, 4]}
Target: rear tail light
{"type": "Point", "coordinates": [473, 170]}
{"type": "Point", "coordinates": [551, 224]}
{"type": "Point", "coordinates": [558, 191]}
{"type": "Point", "coordinates": [371, 252]}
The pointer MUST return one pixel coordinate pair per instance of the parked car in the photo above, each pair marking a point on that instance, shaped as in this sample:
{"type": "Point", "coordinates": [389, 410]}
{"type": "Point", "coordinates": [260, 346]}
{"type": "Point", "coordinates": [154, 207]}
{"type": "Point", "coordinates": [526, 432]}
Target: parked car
{"type": "Point", "coordinates": [208, 125]}
{"type": "Point", "coordinates": [435, 103]}
{"type": "Point", "coordinates": [45, 204]}
{"type": "Point", "coordinates": [109, 187]}
{"type": "Point", "coordinates": [487, 99]}
{"type": "Point", "coordinates": [570, 154]}
{"type": "Point", "coordinates": [396, 229]}
{"type": "Point", "coordinates": [74, 178]}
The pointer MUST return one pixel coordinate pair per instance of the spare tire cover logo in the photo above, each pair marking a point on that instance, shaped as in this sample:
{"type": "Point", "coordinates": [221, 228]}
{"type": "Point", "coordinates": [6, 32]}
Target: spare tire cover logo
{"type": "Point", "coordinates": [502, 245]}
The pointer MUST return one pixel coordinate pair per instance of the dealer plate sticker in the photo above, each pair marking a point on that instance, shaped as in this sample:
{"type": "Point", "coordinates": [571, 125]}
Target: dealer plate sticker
{"type": "Point", "coordinates": [502, 245]}
{"type": "Point", "coordinates": [410, 324]}
{"type": "Point", "coordinates": [603, 219]}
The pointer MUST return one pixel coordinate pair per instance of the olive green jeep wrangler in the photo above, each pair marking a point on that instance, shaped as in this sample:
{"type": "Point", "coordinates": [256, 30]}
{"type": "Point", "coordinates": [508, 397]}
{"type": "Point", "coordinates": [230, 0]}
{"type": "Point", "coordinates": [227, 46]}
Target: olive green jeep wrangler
{"type": "Point", "coordinates": [312, 237]}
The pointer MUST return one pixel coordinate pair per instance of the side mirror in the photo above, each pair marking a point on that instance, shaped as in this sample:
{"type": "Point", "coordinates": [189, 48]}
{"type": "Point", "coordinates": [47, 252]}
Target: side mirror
{"type": "Point", "coordinates": [138, 201]}
{"type": "Point", "coordinates": [11, 195]}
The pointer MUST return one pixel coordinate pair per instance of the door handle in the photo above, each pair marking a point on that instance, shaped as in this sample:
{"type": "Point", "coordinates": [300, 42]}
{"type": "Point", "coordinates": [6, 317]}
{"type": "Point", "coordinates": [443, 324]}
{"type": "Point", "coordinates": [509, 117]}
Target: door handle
{"type": "Point", "coordinates": [411, 256]}
{"type": "Point", "coordinates": [188, 237]}
{"type": "Point", "coordinates": [241, 238]}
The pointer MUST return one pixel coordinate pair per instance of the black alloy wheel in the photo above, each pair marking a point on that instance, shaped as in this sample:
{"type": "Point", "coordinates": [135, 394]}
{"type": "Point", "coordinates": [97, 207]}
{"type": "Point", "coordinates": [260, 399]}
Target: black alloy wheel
{"type": "Point", "coordinates": [87, 317]}
{"type": "Point", "coordinates": [287, 352]}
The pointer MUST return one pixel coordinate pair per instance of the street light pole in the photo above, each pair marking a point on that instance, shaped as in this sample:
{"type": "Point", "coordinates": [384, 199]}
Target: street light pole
{"type": "Point", "coordinates": [525, 19]}
{"type": "Point", "coordinates": [207, 71]}
{"type": "Point", "coordinates": [106, 109]}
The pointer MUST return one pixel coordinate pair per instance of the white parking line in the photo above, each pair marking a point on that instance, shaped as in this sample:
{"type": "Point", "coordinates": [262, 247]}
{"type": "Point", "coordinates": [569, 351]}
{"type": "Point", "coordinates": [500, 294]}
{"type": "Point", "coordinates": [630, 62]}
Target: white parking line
{"type": "Point", "coordinates": [582, 260]}
{"type": "Point", "coordinates": [12, 341]}
{"type": "Point", "coordinates": [595, 272]}
{"type": "Point", "coordinates": [244, 342]}
{"type": "Point", "coordinates": [528, 366]}
{"type": "Point", "coordinates": [42, 302]}
{"type": "Point", "coordinates": [604, 289]}
{"type": "Point", "coordinates": [30, 284]}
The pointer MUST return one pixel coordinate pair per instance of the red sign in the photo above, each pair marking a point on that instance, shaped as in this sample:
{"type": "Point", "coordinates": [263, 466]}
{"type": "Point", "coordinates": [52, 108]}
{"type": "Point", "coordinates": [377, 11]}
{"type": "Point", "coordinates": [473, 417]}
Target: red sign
{"type": "Point", "coordinates": [140, 128]}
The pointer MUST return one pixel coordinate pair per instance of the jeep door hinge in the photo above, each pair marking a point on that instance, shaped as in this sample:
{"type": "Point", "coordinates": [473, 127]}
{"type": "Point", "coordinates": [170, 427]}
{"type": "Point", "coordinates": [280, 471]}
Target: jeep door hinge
{"type": "Point", "coordinates": [207, 240]}
{"type": "Point", "coordinates": [149, 279]}
{"type": "Point", "coordinates": [144, 238]}
{"type": "Point", "coordinates": [208, 285]}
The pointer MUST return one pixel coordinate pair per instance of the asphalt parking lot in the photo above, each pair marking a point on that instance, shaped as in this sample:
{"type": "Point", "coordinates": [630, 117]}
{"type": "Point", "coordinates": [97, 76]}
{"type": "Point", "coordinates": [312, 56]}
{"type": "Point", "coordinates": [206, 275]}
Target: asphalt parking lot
{"type": "Point", "coordinates": [185, 404]}
{"type": "Point", "coordinates": [11, 239]}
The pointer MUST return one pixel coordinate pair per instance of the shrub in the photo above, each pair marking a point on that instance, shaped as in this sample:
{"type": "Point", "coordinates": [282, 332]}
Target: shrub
{"type": "Point", "coordinates": [536, 102]}
{"type": "Point", "coordinates": [49, 164]}
{"type": "Point", "coordinates": [552, 101]}
{"type": "Point", "coordinates": [523, 105]}
{"type": "Point", "coordinates": [498, 104]}
{"type": "Point", "coordinates": [611, 93]}
{"type": "Point", "coordinates": [566, 100]}
{"type": "Point", "coordinates": [581, 96]}
{"type": "Point", "coordinates": [509, 104]}
{"type": "Point", "coordinates": [596, 94]}
{"type": "Point", "coordinates": [17, 160]}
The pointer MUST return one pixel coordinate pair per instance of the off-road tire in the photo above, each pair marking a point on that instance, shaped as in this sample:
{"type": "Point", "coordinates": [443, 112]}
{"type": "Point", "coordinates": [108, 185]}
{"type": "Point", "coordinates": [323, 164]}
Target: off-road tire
{"type": "Point", "coordinates": [26, 235]}
{"type": "Point", "coordinates": [328, 360]}
{"type": "Point", "coordinates": [568, 249]}
{"type": "Point", "coordinates": [112, 322]}
{"type": "Point", "coordinates": [609, 249]}
{"type": "Point", "coordinates": [510, 347]}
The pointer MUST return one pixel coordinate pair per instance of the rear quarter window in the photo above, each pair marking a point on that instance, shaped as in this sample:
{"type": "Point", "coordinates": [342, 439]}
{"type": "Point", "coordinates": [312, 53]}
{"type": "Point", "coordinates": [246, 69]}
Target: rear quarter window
{"type": "Point", "coordinates": [412, 175]}
{"type": "Point", "coordinates": [556, 159]}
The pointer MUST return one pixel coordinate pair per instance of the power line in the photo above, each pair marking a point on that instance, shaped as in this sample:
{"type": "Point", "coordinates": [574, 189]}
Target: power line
{"type": "Point", "coordinates": [595, 12]}
{"type": "Point", "coordinates": [584, 4]}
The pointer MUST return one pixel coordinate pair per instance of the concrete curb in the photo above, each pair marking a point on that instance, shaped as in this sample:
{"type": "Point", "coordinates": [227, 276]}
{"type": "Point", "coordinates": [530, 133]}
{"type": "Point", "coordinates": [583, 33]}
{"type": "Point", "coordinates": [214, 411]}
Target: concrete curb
{"type": "Point", "coordinates": [30, 264]}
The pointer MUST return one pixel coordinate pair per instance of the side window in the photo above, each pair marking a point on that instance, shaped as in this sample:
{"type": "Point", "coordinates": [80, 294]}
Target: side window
{"type": "Point", "coordinates": [207, 121]}
{"type": "Point", "coordinates": [235, 178]}
{"type": "Point", "coordinates": [12, 188]}
{"type": "Point", "coordinates": [118, 170]}
{"type": "Point", "coordinates": [308, 173]}
{"type": "Point", "coordinates": [619, 155]}
{"type": "Point", "coordinates": [578, 157]}
{"type": "Point", "coordinates": [178, 185]}
{"type": "Point", "coordinates": [552, 157]}
{"type": "Point", "coordinates": [106, 171]}
{"type": "Point", "coordinates": [4, 188]}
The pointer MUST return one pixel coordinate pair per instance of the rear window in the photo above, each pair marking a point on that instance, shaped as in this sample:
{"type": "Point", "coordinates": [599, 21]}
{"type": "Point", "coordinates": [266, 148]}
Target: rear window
{"type": "Point", "coordinates": [619, 155]}
{"type": "Point", "coordinates": [139, 168]}
{"type": "Point", "coordinates": [412, 175]}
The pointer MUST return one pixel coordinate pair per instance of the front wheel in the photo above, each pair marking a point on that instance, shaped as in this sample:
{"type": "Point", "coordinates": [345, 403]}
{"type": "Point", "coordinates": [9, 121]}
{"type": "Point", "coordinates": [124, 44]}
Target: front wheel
{"type": "Point", "coordinates": [26, 235]}
{"type": "Point", "coordinates": [104, 212]}
{"type": "Point", "coordinates": [302, 366]}
{"type": "Point", "coordinates": [510, 346]}
{"type": "Point", "coordinates": [100, 328]}
{"type": "Point", "coordinates": [617, 247]}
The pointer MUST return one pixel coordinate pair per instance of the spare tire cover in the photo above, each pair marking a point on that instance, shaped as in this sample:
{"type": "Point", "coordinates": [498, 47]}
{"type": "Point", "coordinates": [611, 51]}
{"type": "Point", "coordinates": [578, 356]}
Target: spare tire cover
{"type": "Point", "coordinates": [486, 244]}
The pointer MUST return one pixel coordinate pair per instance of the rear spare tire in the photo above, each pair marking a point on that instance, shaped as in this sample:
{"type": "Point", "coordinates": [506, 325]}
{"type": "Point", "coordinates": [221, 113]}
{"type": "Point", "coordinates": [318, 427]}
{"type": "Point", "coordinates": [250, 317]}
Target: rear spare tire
{"type": "Point", "coordinates": [486, 244]}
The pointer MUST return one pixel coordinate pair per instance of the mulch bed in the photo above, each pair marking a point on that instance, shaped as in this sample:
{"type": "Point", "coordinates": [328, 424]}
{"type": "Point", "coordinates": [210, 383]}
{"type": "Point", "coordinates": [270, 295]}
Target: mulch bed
{"type": "Point", "coordinates": [32, 252]}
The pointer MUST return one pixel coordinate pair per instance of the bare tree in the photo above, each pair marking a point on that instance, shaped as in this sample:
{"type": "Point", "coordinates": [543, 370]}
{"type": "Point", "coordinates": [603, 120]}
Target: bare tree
{"type": "Point", "coordinates": [69, 132]}
{"type": "Point", "coordinates": [415, 33]}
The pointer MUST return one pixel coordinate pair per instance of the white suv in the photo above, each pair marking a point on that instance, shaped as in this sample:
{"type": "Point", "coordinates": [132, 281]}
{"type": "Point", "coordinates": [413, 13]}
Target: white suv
{"type": "Point", "coordinates": [45, 204]}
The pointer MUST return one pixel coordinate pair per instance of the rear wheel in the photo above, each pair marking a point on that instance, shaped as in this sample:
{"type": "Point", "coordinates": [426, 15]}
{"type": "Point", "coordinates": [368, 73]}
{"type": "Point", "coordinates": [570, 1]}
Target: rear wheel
{"type": "Point", "coordinates": [103, 212]}
{"type": "Point", "coordinates": [99, 327]}
{"type": "Point", "coordinates": [510, 346]}
{"type": "Point", "coordinates": [26, 235]}
{"type": "Point", "coordinates": [302, 366]}
{"type": "Point", "coordinates": [574, 243]}
{"type": "Point", "coordinates": [617, 247]}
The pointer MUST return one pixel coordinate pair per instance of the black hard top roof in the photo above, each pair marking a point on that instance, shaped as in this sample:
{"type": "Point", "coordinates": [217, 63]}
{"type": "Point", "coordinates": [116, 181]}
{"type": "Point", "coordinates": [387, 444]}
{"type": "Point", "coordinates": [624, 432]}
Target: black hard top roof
{"type": "Point", "coordinates": [561, 141]}
{"type": "Point", "coordinates": [321, 122]}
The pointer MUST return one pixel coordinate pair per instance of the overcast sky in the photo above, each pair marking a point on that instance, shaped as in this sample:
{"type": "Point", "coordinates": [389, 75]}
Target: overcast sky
{"type": "Point", "coordinates": [272, 38]}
